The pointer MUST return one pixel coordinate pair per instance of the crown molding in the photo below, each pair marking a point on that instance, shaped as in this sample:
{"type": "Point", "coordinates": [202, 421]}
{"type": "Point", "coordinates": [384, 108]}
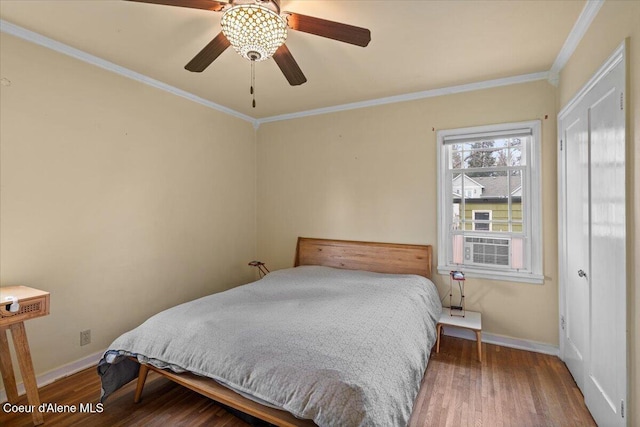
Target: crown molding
{"type": "Point", "coordinates": [589, 12]}
{"type": "Point", "coordinates": [31, 36]}
{"type": "Point", "coordinates": [577, 32]}
{"type": "Point", "coordinates": [487, 84]}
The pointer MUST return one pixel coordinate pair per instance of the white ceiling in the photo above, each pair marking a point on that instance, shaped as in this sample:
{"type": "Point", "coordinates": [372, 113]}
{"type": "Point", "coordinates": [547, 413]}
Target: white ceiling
{"type": "Point", "coordinates": [416, 46]}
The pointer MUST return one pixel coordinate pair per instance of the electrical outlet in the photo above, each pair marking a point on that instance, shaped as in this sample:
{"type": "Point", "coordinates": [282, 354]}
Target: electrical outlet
{"type": "Point", "coordinates": [85, 337]}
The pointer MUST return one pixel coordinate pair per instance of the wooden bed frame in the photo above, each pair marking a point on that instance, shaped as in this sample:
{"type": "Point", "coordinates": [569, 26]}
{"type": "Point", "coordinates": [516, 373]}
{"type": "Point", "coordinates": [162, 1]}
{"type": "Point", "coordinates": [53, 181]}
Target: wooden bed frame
{"type": "Point", "coordinates": [352, 255]}
{"type": "Point", "coordinates": [392, 258]}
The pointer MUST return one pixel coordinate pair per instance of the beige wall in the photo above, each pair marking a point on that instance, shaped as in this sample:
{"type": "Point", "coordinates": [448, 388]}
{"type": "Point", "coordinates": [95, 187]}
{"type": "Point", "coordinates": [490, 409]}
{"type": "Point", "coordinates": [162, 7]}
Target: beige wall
{"type": "Point", "coordinates": [118, 198]}
{"type": "Point", "coordinates": [617, 21]}
{"type": "Point", "coordinates": [370, 174]}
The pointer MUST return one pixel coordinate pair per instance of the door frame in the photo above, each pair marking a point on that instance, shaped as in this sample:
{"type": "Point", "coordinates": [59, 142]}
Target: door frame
{"type": "Point", "coordinates": [618, 56]}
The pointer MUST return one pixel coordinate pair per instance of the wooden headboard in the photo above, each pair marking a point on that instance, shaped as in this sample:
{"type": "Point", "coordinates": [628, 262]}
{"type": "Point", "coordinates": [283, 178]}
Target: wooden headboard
{"type": "Point", "coordinates": [369, 256]}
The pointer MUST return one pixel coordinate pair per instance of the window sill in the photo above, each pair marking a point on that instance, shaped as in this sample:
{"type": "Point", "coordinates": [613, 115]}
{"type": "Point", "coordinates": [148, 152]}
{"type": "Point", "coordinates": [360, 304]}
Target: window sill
{"type": "Point", "coordinates": [509, 276]}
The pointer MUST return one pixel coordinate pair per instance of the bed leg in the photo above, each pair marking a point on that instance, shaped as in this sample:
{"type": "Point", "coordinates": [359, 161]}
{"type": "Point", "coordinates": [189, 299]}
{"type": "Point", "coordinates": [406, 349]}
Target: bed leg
{"type": "Point", "coordinates": [142, 377]}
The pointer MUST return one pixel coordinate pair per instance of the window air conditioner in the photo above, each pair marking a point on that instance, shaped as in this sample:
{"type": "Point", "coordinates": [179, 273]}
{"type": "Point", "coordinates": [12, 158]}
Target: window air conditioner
{"type": "Point", "coordinates": [487, 251]}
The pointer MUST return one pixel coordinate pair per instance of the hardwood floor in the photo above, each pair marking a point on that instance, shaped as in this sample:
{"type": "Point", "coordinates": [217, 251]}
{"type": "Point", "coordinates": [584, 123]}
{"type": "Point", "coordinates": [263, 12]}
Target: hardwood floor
{"type": "Point", "coordinates": [510, 388]}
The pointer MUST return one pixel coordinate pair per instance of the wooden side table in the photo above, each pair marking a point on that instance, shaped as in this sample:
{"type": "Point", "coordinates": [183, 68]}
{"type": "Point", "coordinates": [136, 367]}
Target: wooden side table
{"type": "Point", "coordinates": [472, 320]}
{"type": "Point", "coordinates": [33, 303]}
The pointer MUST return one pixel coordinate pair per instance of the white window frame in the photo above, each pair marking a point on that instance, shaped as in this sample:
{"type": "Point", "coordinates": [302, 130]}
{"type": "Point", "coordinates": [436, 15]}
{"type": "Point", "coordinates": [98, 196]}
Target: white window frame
{"type": "Point", "coordinates": [531, 195]}
{"type": "Point", "coordinates": [473, 216]}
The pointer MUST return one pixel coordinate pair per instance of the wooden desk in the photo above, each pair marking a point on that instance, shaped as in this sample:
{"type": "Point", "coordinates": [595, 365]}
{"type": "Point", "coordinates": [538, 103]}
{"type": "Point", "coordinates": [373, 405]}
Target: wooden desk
{"type": "Point", "coordinates": [471, 320]}
{"type": "Point", "coordinates": [33, 303]}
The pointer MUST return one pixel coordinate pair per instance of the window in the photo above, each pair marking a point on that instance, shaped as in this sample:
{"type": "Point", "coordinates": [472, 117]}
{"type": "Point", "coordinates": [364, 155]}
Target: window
{"type": "Point", "coordinates": [489, 207]}
{"type": "Point", "coordinates": [481, 220]}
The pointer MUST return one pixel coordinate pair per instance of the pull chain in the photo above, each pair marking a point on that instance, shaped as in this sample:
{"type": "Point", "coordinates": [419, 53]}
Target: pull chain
{"type": "Point", "coordinates": [253, 82]}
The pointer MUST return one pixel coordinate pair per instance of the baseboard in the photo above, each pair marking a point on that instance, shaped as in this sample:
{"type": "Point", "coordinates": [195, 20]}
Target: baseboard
{"type": "Point", "coordinates": [59, 373]}
{"type": "Point", "coordinates": [503, 341]}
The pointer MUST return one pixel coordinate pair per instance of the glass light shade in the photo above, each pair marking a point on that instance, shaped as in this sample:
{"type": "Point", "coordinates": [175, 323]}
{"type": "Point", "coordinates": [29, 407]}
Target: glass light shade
{"type": "Point", "coordinates": [254, 31]}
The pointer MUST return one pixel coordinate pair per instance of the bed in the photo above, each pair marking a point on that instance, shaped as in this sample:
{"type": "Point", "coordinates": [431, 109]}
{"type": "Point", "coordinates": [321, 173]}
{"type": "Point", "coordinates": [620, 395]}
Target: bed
{"type": "Point", "coordinates": [341, 339]}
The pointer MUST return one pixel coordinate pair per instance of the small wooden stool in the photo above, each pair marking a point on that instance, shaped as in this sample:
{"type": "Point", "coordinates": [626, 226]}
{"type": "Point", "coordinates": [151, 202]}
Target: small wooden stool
{"type": "Point", "coordinates": [32, 303]}
{"type": "Point", "coordinates": [471, 320]}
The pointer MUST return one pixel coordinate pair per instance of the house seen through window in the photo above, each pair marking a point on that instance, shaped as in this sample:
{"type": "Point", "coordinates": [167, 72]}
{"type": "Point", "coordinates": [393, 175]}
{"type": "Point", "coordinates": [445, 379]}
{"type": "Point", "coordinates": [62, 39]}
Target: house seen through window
{"type": "Point", "coordinates": [489, 201]}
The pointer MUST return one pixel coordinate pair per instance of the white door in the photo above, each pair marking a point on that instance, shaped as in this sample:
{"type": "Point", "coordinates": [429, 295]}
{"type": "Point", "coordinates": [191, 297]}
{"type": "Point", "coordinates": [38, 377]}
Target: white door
{"type": "Point", "coordinates": [576, 310]}
{"type": "Point", "coordinates": [605, 381]}
{"type": "Point", "coordinates": [594, 255]}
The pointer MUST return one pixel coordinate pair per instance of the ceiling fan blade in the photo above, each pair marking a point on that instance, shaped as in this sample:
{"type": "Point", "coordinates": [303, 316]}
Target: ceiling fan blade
{"type": "Point", "coordinates": [289, 66]}
{"type": "Point", "coordinates": [329, 29]}
{"type": "Point", "coordinates": [207, 55]}
{"type": "Point", "coordinates": [213, 5]}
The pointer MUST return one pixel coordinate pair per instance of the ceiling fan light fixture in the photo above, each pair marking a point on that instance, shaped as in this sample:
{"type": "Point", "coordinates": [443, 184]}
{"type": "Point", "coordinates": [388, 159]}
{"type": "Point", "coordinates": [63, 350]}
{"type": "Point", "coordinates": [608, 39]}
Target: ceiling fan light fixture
{"type": "Point", "coordinates": [254, 31]}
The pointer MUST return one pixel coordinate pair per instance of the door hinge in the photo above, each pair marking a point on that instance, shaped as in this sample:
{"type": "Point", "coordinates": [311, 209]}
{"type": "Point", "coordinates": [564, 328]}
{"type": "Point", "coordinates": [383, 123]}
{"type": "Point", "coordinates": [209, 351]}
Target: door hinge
{"type": "Point", "coordinates": [622, 408]}
{"type": "Point", "coordinates": [560, 145]}
{"type": "Point", "coordinates": [562, 322]}
{"type": "Point", "coordinates": [622, 100]}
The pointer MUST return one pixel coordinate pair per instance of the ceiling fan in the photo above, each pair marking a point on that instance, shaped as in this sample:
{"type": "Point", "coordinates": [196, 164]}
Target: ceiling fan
{"type": "Point", "coordinates": [257, 30]}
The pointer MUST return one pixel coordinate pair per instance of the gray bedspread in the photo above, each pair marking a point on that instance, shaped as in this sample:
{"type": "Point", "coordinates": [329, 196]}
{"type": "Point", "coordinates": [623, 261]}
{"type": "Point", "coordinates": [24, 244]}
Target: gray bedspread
{"type": "Point", "coordinates": [341, 347]}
